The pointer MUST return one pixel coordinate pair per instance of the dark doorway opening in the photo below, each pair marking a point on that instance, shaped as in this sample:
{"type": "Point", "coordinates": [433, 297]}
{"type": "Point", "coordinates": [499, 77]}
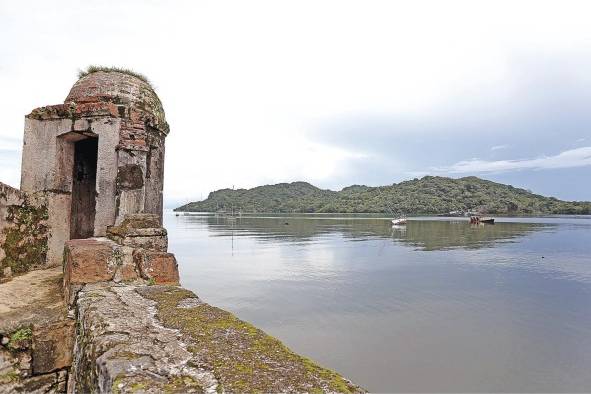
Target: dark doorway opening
{"type": "Point", "coordinates": [84, 189]}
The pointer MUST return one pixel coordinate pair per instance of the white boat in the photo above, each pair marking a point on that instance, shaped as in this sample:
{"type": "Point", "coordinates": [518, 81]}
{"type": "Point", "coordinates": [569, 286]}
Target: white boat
{"type": "Point", "coordinates": [400, 221]}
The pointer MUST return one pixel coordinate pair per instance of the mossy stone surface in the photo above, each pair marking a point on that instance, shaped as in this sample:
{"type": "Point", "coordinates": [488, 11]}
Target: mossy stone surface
{"type": "Point", "coordinates": [242, 357]}
{"type": "Point", "coordinates": [24, 239]}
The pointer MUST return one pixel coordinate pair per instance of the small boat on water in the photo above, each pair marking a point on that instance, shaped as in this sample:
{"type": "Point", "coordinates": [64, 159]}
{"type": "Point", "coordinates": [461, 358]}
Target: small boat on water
{"type": "Point", "coordinates": [478, 219]}
{"type": "Point", "coordinates": [399, 221]}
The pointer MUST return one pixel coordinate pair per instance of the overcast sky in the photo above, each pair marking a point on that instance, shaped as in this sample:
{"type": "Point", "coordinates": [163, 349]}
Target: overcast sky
{"type": "Point", "coordinates": [330, 92]}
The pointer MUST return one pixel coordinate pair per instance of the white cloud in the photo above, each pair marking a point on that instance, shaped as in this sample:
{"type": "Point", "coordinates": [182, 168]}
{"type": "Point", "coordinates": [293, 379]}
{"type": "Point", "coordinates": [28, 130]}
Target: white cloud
{"type": "Point", "coordinates": [10, 152]}
{"type": "Point", "coordinates": [579, 157]}
{"type": "Point", "coordinates": [244, 83]}
{"type": "Point", "coordinates": [499, 147]}
{"type": "Point", "coordinates": [9, 143]}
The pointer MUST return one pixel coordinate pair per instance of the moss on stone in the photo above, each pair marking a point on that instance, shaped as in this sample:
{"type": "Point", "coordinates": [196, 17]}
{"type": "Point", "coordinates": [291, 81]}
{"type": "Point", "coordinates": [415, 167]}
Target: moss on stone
{"type": "Point", "coordinates": [243, 358]}
{"type": "Point", "coordinates": [126, 355]}
{"type": "Point", "coordinates": [25, 239]}
{"type": "Point", "coordinates": [175, 384]}
{"type": "Point", "coordinates": [140, 386]}
{"type": "Point", "coordinates": [9, 377]}
{"type": "Point", "coordinates": [182, 384]}
{"type": "Point", "coordinates": [20, 339]}
{"type": "Point", "coordinates": [115, 83]}
{"type": "Point", "coordinates": [22, 334]}
{"type": "Point", "coordinates": [133, 222]}
{"type": "Point", "coordinates": [95, 68]}
{"type": "Point", "coordinates": [115, 387]}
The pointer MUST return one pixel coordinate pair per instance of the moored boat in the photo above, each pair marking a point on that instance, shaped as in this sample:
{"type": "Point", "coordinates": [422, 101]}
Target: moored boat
{"type": "Point", "coordinates": [478, 219]}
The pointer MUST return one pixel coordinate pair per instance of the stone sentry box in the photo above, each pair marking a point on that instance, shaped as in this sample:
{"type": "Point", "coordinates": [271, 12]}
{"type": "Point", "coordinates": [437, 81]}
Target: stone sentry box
{"type": "Point", "coordinates": [97, 157]}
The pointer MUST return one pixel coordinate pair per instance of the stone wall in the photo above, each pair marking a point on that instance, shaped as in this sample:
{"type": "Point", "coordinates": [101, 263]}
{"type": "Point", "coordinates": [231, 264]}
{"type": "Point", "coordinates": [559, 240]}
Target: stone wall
{"type": "Point", "coordinates": [36, 334]}
{"type": "Point", "coordinates": [24, 232]}
{"type": "Point", "coordinates": [48, 160]}
{"type": "Point", "coordinates": [153, 339]}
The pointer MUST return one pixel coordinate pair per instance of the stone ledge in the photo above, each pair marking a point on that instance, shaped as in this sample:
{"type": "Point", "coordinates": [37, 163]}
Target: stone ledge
{"type": "Point", "coordinates": [122, 347]}
{"type": "Point", "coordinates": [153, 240]}
{"type": "Point", "coordinates": [163, 338]}
{"type": "Point", "coordinates": [41, 384]}
{"type": "Point", "coordinates": [139, 230]}
{"type": "Point", "coordinates": [36, 334]}
{"type": "Point", "coordinates": [32, 299]}
{"type": "Point", "coordinates": [95, 260]}
{"type": "Point", "coordinates": [72, 111]}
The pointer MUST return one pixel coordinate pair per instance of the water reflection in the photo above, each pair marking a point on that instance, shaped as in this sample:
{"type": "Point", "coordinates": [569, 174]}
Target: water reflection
{"type": "Point", "coordinates": [422, 234]}
{"type": "Point", "coordinates": [441, 235]}
{"type": "Point", "coordinates": [437, 306]}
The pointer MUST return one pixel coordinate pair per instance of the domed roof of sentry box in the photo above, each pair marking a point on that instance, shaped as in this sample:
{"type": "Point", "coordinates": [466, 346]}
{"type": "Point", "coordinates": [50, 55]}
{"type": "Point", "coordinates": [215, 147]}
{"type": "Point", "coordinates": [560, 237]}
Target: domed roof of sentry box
{"type": "Point", "coordinates": [122, 87]}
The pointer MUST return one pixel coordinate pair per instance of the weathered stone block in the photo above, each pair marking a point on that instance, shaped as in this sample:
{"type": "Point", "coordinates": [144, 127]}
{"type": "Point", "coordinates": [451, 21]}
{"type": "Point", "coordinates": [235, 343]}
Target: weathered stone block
{"type": "Point", "coordinates": [62, 381]}
{"type": "Point", "coordinates": [96, 260]}
{"type": "Point", "coordinates": [10, 365]}
{"type": "Point", "coordinates": [52, 346]}
{"type": "Point", "coordinates": [161, 267]}
{"type": "Point", "coordinates": [130, 177]}
{"type": "Point", "coordinates": [127, 269]}
{"type": "Point", "coordinates": [135, 221]}
{"type": "Point", "coordinates": [38, 384]}
{"type": "Point", "coordinates": [81, 125]}
{"type": "Point", "coordinates": [140, 231]}
{"type": "Point", "coordinates": [152, 242]}
{"type": "Point", "coordinates": [88, 261]}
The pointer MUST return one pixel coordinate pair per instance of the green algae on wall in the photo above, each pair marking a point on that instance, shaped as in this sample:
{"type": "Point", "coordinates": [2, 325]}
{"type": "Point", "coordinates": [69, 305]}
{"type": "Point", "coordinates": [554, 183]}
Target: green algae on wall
{"type": "Point", "coordinates": [20, 339]}
{"type": "Point", "coordinates": [24, 236]}
{"type": "Point", "coordinates": [243, 358]}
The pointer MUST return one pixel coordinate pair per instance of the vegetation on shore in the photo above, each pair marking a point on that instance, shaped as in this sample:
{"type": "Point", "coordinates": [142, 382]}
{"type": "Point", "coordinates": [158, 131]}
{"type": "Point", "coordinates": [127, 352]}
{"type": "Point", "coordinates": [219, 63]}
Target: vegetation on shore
{"type": "Point", "coordinates": [428, 195]}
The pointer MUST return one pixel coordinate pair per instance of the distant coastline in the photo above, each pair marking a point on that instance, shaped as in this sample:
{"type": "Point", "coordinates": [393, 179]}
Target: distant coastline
{"type": "Point", "coordinates": [429, 195]}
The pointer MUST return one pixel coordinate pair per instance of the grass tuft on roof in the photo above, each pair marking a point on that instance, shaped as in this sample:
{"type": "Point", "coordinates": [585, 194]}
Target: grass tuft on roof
{"type": "Point", "coordinates": [94, 68]}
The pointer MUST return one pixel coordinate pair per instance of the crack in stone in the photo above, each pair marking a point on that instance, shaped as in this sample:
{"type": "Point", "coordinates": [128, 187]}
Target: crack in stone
{"type": "Point", "coordinates": [121, 332]}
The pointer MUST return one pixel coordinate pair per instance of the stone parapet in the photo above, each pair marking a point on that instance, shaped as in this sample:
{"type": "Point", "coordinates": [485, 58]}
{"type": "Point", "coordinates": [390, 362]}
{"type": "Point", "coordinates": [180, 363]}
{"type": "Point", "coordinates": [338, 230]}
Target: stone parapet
{"type": "Point", "coordinates": [136, 250]}
{"type": "Point", "coordinates": [95, 260]}
{"type": "Point", "coordinates": [152, 339]}
{"type": "Point", "coordinates": [76, 111]}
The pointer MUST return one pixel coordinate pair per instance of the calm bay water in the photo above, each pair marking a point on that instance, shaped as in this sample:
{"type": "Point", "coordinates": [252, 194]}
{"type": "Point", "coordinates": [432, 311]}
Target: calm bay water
{"type": "Point", "coordinates": [438, 306]}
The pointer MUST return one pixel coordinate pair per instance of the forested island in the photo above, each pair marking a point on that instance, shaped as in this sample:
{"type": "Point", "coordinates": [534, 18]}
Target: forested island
{"type": "Point", "coordinates": [428, 195]}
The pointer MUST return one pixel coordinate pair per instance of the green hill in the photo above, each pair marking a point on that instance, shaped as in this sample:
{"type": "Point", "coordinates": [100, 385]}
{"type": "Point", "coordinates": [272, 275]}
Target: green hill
{"type": "Point", "coordinates": [428, 195]}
